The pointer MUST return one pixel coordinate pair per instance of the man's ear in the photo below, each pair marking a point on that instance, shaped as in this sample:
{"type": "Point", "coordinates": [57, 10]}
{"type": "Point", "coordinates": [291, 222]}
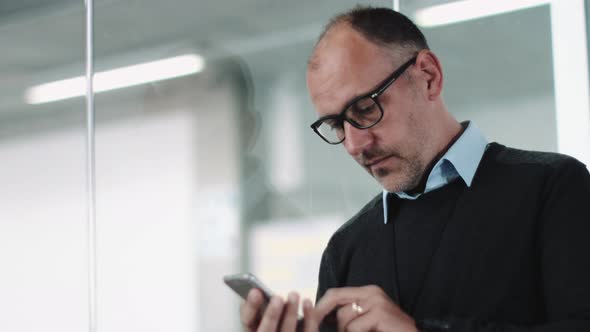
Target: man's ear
{"type": "Point", "coordinates": [430, 70]}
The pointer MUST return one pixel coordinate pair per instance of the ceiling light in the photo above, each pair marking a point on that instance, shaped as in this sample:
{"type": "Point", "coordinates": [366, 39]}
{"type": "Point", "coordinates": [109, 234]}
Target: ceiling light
{"type": "Point", "coordinates": [465, 10]}
{"type": "Point", "coordinates": [117, 78]}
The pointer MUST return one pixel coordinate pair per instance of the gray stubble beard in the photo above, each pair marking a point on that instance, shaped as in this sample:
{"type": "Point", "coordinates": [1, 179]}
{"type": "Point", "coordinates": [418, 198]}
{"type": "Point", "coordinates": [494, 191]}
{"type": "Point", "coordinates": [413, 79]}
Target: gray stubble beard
{"type": "Point", "coordinates": [413, 174]}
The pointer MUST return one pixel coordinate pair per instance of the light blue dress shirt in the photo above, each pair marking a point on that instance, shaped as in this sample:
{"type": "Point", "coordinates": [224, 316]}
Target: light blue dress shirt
{"type": "Point", "coordinates": [460, 160]}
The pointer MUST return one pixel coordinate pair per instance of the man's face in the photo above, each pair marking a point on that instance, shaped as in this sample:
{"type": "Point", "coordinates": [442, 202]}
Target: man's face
{"type": "Point", "coordinates": [349, 66]}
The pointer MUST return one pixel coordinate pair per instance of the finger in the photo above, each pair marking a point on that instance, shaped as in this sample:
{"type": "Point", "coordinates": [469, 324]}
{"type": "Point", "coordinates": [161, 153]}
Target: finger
{"type": "Point", "coordinates": [365, 322]}
{"type": "Point", "coordinates": [272, 315]}
{"type": "Point", "coordinates": [289, 321]}
{"type": "Point", "coordinates": [348, 313]}
{"type": "Point", "coordinates": [335, 297]}
{"type": "Point", "coordinates": [310, 321]}
{"type": "Point", "coordinates": [251, 309]}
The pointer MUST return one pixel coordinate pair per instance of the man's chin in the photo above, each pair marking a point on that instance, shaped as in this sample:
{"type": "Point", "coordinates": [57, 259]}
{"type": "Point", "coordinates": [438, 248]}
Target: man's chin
{"type": "Point", "coordinates": [393, 183]}
{"type": "Point", "coordinates": [389, 184]}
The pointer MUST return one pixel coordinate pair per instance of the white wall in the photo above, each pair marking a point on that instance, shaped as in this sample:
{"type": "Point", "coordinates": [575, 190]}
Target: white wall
{"type": "Point", "coordinates": [43, 277]}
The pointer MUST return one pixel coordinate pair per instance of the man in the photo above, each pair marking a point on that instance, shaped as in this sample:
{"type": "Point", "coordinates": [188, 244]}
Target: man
{"type": "Point", "coordinates": [467, 236]}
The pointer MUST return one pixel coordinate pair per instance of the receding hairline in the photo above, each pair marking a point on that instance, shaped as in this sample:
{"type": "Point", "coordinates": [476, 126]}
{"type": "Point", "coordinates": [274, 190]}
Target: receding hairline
{"type": "Point", "coordinates": [396, 51]}
{"type": "Point", "coordinates": [389, 30]}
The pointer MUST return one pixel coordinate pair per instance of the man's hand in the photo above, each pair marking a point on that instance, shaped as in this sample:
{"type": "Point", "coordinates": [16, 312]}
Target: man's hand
{"type": "Point", "coordinates": [365, 308]}
{"type": "Point", "coordinates": [279, 316]}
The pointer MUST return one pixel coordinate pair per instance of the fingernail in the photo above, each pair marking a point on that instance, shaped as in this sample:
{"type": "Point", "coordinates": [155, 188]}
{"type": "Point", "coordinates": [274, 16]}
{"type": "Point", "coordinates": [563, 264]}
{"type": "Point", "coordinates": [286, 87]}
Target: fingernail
{"type": "Point", "coordinates": [292, 298]}
{"type": "Point", "coordinates": [276, 301]}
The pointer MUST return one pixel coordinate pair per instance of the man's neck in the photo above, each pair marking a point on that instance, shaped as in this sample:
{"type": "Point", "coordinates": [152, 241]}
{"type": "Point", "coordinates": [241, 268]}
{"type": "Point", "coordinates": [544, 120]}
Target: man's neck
{"type": "Point", "coordinates": [422, 184]}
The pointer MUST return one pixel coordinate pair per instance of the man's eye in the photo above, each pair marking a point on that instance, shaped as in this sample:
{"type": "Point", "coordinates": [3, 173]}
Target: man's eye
{"type": "Point", "coordinates": [330, 123]}
{"type": "Point", "coordinates": [333, 123]}
{"type": "Point", "coordinates": [364, 108]}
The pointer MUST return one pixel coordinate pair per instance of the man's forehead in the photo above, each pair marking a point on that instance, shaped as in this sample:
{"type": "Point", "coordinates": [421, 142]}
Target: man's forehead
{"type": "Point", "coordinates": [343, 45]}
{"type": "Point", "coordinates": [345, 60]}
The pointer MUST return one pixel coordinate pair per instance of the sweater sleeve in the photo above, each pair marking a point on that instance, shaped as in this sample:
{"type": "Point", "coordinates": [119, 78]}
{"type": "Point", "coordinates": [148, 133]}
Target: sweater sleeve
{"type": "Point", "coordinates": [564, 254]}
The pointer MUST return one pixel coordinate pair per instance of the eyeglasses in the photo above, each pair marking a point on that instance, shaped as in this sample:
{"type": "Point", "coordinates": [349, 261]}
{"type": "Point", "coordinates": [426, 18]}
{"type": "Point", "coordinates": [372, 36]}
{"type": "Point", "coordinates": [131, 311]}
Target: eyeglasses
{"type": "Point", "coordinates": [362, 112]}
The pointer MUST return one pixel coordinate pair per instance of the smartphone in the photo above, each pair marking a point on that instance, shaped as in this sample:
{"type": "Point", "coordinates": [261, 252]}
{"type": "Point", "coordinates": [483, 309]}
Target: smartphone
{"type": "Point", "coordinates": [242, 284]}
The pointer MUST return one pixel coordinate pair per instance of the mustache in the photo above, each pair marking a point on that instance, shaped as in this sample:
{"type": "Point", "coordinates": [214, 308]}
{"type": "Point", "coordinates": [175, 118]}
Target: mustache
{"type": "Point", "coordinates": [368, 157]}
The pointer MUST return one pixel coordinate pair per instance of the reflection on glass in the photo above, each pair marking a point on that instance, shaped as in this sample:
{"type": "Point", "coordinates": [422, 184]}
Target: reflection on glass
{"type": "Point", "coordinates": [118, 78]}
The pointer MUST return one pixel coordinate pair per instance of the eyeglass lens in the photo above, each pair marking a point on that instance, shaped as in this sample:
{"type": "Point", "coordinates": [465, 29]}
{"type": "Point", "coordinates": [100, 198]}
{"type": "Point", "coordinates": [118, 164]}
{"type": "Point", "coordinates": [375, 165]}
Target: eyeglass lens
{"type": "Point", "coordinates": [364, 113]}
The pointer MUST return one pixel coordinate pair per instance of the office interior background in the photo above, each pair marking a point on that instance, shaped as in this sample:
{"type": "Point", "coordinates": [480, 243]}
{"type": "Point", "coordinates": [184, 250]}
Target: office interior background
{"type": "Point", "coordinates": [212, 169]}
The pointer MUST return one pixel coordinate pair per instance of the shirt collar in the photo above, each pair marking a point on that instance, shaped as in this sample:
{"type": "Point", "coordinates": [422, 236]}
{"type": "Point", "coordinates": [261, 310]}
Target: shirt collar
{"type": "Point", "coordinates": [460, 160]}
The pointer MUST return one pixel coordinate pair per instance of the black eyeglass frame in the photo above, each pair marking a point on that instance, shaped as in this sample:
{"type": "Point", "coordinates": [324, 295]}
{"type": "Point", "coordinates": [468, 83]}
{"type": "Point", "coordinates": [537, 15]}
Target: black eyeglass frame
{"type": "Point", "coordinates": [374, 94]}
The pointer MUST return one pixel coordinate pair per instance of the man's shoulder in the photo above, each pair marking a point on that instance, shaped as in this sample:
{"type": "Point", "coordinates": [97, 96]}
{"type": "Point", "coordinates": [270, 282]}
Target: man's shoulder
{"type": "Point", "coordinates": [528, 159]}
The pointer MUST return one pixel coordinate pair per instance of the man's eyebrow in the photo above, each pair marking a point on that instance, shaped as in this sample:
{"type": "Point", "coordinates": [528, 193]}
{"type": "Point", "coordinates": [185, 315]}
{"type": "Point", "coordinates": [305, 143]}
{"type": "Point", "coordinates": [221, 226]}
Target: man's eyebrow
{"type": "Point", "coordinates": [329, 116]}
{"type": "Point", "coordinates": [366, 93]}
{"type": "Point", "coordinates": [354, 97]}
{"type": "Point", "coordinates": [347, 104]}
{"type": "Point", "coordinates": [359, 96]}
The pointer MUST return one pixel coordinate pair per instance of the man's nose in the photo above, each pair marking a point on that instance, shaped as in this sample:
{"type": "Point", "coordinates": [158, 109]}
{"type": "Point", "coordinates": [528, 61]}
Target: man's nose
{"type": "Point", "coordinates": [356, 140]}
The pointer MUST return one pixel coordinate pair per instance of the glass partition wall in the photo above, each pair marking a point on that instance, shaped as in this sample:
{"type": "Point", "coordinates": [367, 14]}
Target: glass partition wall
{"type": "Point", "coordinates": [214, 171]}
{"type": "Point", "coordinates": [43, 279]}
{"type": "Point", "coordinates": [517, 68]}
{"type": "Point", "coordinates": [205, 162]}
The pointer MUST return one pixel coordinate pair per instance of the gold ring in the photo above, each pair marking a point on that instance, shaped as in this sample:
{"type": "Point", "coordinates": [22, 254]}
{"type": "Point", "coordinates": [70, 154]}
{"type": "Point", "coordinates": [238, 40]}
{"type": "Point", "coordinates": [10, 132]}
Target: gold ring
{"type": "Point", "coordinates": [357, 308]}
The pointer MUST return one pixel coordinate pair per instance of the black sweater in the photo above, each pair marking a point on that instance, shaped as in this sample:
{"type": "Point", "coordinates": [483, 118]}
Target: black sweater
{"type": "Point", "coordinates": [509, 253]}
